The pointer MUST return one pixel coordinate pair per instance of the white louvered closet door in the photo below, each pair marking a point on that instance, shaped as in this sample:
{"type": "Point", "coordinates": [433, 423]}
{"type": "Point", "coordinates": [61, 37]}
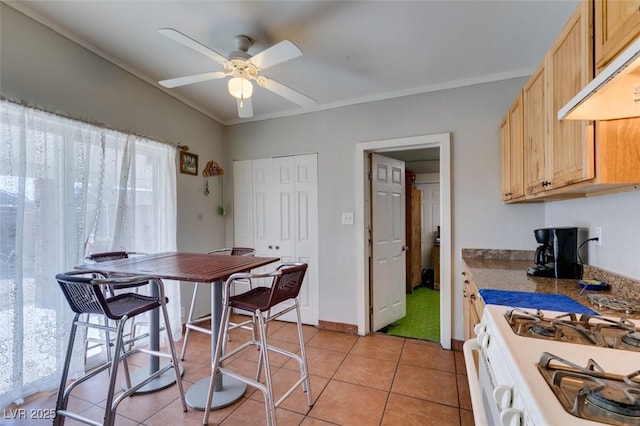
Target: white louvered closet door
{"type": "Point", "coordinates": [284, 217]}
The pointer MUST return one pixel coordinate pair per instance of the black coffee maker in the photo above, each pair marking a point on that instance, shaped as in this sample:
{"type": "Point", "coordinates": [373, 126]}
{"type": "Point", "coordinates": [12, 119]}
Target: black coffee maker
{"type": "Point", "coordinates": [557, 254]}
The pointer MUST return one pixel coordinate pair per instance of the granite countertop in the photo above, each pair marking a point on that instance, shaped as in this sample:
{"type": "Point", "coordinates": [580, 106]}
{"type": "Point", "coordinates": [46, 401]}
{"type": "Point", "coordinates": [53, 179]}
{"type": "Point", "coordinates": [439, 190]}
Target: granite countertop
{"type": "Point", "coordinates": [512, 275]}
{"type": "Point", "coordinates": [506, 270]}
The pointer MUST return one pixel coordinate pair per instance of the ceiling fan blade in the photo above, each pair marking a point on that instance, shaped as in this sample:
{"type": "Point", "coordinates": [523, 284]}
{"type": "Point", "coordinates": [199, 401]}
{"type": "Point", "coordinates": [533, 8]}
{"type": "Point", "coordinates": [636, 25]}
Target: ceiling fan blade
{"type": "Point", "coordinates": [286, 92]}
{"type": "Point", "coordinates": [281, 52]}
{"type": "Point", "coordinates": [192, 44]}
{"type": "Point", "coordinates": [183, 81]}
{"type": "Point", "coordinates": [245, 108]}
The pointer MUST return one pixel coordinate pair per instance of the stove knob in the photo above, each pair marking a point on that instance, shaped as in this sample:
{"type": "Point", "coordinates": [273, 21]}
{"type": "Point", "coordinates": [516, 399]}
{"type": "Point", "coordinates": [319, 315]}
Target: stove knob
{"type": "Point", "coordinates": [502, 394]}
{"type": "Point", "coordinates": [479, 328]}
{"type": "Point", "coordinates": [483, 339]}
{"type": "Point", "coordinates": [511, 417]}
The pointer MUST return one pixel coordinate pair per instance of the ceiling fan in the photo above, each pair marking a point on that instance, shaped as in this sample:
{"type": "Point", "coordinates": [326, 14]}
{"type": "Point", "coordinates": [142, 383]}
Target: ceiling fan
{"type": "Point", "coordinates": [243, 68]}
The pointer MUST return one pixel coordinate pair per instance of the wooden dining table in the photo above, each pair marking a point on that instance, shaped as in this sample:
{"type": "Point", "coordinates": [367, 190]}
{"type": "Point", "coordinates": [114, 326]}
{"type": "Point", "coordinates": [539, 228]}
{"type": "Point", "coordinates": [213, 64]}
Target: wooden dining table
{"type": "Point", "coordinates": [190, 267]}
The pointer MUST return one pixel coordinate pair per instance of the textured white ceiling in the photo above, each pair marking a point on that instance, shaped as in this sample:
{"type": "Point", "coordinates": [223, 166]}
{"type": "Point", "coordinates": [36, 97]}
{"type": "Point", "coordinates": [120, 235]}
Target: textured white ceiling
{"type": "Point", "coordinates": [354, 51]}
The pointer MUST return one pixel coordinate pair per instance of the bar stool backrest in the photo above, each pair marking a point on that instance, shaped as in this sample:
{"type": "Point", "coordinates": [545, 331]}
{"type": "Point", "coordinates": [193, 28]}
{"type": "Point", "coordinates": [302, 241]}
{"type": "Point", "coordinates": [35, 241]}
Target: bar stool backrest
{"type": "Point", "coordinates": [82, 296]}
{"type": "Point", "coordinates": [107, 256]}
{"type": "Point", "coordinates": [286, 285]}
{"type": "Point", "coordinates": [235, 251]}
{"type": "Point", "coordinates": [242, 251]}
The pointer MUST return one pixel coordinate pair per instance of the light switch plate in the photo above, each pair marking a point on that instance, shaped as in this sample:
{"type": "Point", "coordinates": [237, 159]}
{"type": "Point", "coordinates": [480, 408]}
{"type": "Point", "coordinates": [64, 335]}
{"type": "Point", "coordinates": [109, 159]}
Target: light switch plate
{"type": "Point", "coordinates": [347, 218]}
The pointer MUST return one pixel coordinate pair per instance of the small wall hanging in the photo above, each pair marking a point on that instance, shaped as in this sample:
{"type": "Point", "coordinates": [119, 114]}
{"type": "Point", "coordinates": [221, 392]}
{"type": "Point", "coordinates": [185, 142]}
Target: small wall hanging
{"type": "Point", "coordinates": [213, 169]}
{"type": "Point", "coordinates": [188, 163]}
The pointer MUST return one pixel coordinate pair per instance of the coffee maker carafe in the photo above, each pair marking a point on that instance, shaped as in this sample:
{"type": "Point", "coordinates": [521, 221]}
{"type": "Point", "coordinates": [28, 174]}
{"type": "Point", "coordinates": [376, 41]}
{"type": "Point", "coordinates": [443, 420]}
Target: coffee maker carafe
{"type": "Point", "coordinates": [557, 254]}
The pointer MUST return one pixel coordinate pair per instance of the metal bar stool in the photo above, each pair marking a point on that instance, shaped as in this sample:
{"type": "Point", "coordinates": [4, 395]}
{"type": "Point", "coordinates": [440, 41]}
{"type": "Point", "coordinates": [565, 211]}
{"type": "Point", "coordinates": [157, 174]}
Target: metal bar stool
{"type": "Point", "coordinates": [132, 335]}
{"type": "Point", "coordinates": [287, 281]}
{"type": "Point", "coordinates": [193, 323]}
{"type": "Point", "coordinates": [85, 296]}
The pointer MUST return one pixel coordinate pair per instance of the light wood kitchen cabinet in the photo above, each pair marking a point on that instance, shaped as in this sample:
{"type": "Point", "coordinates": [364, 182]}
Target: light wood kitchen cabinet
{"type": "Point", "coordinates": [568, 159]}
{"type": "Point", "coordinates": [617, 24]}
{"type": "Point", "coordinates": [512, 149]}
{"type": "Point", "coordinates": [558, 153]}
{"type": "Point", "coordinates": [535, 132]}
{"type": "Point", "coordinates": [412, 235]}
{"type": "Point", "coordinates": [472, 305]}
{"type": "Point", "coordinates": [570, 144]}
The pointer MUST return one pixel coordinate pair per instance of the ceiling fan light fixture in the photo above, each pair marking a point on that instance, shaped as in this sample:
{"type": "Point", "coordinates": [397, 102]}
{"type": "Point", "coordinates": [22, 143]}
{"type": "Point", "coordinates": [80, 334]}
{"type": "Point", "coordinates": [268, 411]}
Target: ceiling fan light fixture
{"type": "Point", "coordinates": [240, 88]}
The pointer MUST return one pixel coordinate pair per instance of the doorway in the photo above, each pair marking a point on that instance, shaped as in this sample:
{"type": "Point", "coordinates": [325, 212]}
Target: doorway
{"type": "Point", "coordinates": [422, 295]}
{"type": "Point", "coordinates": [442, 143]}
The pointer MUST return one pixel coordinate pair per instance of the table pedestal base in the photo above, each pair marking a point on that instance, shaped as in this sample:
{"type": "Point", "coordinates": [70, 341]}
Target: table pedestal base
{"type": "Point", "coordinates": [232, 390]}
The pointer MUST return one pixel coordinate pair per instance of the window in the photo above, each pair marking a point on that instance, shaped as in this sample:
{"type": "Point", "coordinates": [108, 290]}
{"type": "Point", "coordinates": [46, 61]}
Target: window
{"type": "Point", "coordinates": [67, 189]}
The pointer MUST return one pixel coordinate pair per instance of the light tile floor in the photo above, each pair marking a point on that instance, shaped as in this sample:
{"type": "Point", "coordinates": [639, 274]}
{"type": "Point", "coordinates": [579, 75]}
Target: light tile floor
{"type": "Point", "coordinates": [371, 380]}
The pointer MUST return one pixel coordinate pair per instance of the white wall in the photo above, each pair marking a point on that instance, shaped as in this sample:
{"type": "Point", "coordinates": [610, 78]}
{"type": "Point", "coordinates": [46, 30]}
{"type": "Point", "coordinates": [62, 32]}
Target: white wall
{"type": "Point", "coordinates": [480, 219]}
{"type": "Point", "coordinates": [39, 66]}
{"type": "Point", "coordinates": [619, 217]}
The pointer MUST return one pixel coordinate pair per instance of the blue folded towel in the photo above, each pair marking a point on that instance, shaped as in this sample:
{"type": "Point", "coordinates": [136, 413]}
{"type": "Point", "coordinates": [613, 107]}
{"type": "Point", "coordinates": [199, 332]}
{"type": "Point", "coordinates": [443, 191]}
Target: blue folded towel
{"type": "Point", "coordinates": [544, 301]}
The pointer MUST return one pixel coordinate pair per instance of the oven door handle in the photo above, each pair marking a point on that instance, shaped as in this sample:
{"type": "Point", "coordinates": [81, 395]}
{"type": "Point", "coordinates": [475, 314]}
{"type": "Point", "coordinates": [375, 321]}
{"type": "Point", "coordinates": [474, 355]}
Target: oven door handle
{"type": "Point", "coordinates": [469, 347]}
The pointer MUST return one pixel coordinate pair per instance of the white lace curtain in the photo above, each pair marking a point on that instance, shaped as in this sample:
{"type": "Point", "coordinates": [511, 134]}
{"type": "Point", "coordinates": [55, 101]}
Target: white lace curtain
{"type": "Point", "coordinates": [68, 189]}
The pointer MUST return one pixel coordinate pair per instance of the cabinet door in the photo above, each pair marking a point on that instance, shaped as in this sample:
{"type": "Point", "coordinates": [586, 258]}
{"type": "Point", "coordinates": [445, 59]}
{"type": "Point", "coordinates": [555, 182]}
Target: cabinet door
{"type": "Point", "coordinates": [569, 69]}
{"type": "Point", "coordinates": [535, 133]}
{"type": "Point", "coordinates": [505, 155]}
{"type": "Point", "coordinates": [516, 152]}
{"type": "Point", "coordinates": [617, 23]}
{"type": "Point", "coordinates": [471, 310]}
{"type": "Point", "coordinates": [511, 141]}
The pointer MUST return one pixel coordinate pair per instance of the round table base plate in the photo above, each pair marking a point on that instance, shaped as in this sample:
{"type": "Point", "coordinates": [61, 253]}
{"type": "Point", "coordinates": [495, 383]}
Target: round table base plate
{"type": "Point", "coordinates": [167, 379]}
{"type": "Point", "coordinates": [232, 390]}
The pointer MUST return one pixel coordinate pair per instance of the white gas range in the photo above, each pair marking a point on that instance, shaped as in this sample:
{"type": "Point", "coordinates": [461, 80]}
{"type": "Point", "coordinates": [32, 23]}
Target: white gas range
{"type": "Point", "coordinates": [518, 351]}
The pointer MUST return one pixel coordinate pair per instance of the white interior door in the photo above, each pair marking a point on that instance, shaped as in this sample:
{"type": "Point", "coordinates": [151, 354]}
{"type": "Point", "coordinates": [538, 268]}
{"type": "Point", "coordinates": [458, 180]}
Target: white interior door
{"type": "Point", "coordinates": [243, 203]}
{"type": "Point", "coordinates": [306, 234]}
{"type": "Point", "coordinates": [430, 200]}
{"type": "Point", "coordinates": [275, 215]}
{"type": "Point", "coordinates": [388, 249]}
{"type": "Point", "coordinates": [284, 216]}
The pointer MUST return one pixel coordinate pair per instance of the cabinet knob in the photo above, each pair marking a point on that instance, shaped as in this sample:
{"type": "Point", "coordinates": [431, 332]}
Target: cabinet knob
{"type": "Point", "coordinates": [466, 281]}
{"type": "Point", "coordinates": [464, 273]}
{"type": "Point", "coordinates": [270, 247]}
{"type": "Point", "coordinates": [277, 247]}
{"type": "Point", "coordinates": [472, 297]}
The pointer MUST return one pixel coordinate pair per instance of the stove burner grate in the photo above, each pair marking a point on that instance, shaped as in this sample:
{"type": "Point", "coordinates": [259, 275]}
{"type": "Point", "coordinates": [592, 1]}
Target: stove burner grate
{"type": "Point", "coordinates": [542, 329]}
{"type": "Point", "coordinates": [632, 339]}
{"type": "Point", "coordinates": [591, 393]}
{"type": "Point", "coordinates": [570, 328]}
{"type": "Point", "coordinates": [628, 306]}
{"type": "Point", "coordinates": [615, 401]}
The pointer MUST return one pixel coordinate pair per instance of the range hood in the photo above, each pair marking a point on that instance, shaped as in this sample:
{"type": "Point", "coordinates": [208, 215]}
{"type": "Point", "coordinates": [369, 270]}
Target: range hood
{"type": "Point", "coordinates": [613, 94]}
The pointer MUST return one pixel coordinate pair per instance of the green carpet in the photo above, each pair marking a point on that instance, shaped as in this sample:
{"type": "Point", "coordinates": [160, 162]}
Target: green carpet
{"type": "Point", "coordinates": [423, 316]}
